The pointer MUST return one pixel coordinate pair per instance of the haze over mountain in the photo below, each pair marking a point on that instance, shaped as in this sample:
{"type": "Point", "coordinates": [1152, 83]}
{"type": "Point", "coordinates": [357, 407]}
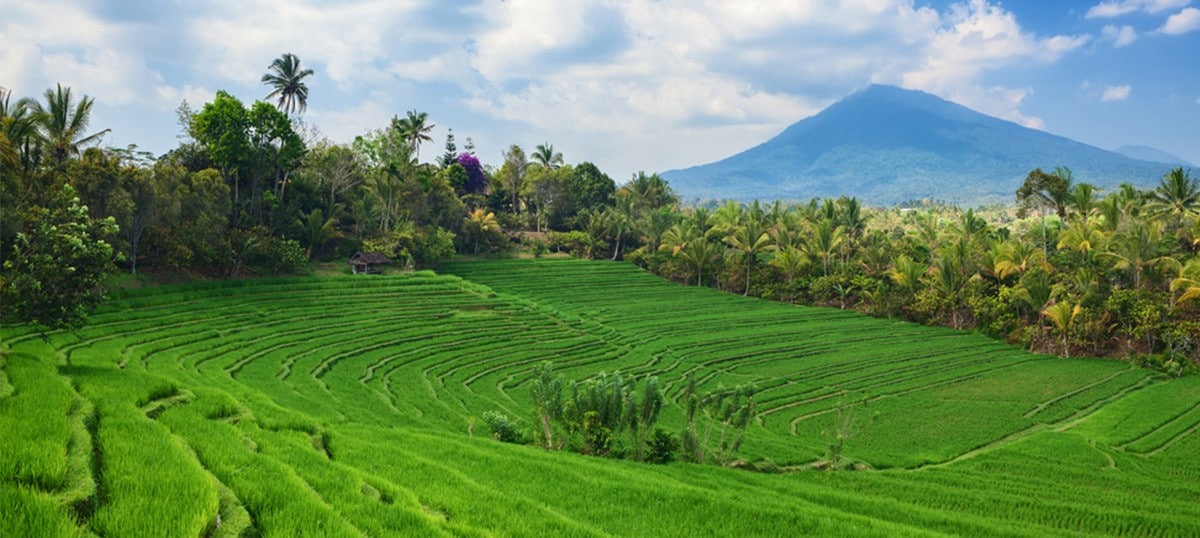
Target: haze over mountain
{"type": "Point", "coordinates": [1153, 155]}
{"type": "Point", "coordinates": [887, 145]}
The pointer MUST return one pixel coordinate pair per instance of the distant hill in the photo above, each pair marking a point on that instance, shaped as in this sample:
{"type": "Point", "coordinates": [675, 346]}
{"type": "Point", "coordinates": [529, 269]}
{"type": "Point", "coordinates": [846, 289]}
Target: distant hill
{"type": "Point", "coordinates": [1153, 155]}
{"type": "Point", "coordinates": [887, 145]}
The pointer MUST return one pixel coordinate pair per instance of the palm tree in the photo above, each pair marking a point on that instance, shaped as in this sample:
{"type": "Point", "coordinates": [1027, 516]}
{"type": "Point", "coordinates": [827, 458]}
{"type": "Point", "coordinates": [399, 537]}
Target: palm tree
{"type": "Point", "coordinates": [791, 261]}
{"type": "Point", "coordinates": [18, 126]}
{"type": "Point", "coordinates": [750, 239]}
{"type": "Point", "coordinates": [547, 157]}
{"type": "Point", "coordinates": [825, 240]}
{"type": "Point", "coordinates": [318, 229]}
{"type": "Point", "coordinates": [700, 253]}
{"type": "Point", "coordinates": [1063, 316]}
{"type": "Point", "coordinates": [1136, 249]}
{"type": "Point", "coordinates": [480, 223]}
{"type": "Point", "coordinates": [287, 82]}
{"type": "Point", "coordinates": [1188, 281]}
{"type": "Point", "coordinates": [413, 128]}
{"type": "Point", "coordinates": [63, 124]}
{"type": "Point", "coordinates": [1177, 196]}
{"type": "Point", "coordinates": [621, 218]}
{"type": "Point", "coordinates": [1082, 200]}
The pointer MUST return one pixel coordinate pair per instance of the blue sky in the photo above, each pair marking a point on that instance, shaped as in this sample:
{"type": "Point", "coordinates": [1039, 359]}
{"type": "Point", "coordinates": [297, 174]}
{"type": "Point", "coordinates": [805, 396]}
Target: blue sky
{"type": "Point", "coordinates": [630, 85]}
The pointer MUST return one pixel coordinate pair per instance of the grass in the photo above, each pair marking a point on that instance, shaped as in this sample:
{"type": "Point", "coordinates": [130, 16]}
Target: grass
{"type": "Point", "coordinates": [340, 405]}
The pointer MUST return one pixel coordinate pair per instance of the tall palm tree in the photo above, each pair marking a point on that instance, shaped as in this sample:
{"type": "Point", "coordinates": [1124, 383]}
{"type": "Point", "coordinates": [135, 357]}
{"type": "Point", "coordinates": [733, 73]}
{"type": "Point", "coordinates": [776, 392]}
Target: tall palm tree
{"type": "Point", "coordinates": [1063, 316]}
{"type": "Point", "coordinates": [414, 128]}
{"type": "Point", "coordinates": [824, 241]}
{"type": "Point", "coordinates": [621, 218]}
{"type": "Point", "coordinates": [547, 157]}
{"type": "Point", "coordinates": [18, 125]}
{"type": "Point", "coordinates": [1176, 197]}
{"type": "Point", "coordinates": [287, 82]}
{"type": "Point", "coordinates": [63, 123]}
{"type": "Point", "coordinates": [1136, 250]}
{"type": "Point", "coordinates": [750, 239]}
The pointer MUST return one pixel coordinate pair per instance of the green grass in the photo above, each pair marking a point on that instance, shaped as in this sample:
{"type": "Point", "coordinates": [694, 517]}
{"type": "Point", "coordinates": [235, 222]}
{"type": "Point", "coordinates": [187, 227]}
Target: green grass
{"type": "Point", "coordinates": [340, 406]}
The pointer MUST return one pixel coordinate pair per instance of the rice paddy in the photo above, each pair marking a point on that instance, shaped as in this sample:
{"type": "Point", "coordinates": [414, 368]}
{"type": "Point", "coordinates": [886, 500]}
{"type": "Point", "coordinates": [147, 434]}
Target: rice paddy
{"type": "Point", "coordinates": [347, 406]}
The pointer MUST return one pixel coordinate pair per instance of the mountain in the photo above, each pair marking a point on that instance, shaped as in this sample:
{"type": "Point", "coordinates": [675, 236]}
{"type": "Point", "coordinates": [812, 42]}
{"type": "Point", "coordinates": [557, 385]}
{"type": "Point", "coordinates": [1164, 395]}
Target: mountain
{"type": "Point", "coordinates": [1150, 154]}
{"type": "Point", "coordinates": [887, 145]}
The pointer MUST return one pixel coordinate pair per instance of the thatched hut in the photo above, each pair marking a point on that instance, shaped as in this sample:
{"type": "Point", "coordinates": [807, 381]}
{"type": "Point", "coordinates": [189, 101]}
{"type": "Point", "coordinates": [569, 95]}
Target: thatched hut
{"type": "Point", "coordinates": [362, 263]}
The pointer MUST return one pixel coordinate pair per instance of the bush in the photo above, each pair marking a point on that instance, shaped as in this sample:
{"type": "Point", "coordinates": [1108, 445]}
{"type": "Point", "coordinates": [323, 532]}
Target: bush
{"type": "Point", "coordinates": [662, 447]}
{"type": "Point", "coordinates": [501, 428]}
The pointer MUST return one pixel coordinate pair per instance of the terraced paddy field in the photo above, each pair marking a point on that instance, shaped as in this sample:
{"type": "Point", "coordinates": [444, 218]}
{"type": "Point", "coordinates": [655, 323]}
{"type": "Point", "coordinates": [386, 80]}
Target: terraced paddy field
{"type": "Point", "coordinates": [342, 407]}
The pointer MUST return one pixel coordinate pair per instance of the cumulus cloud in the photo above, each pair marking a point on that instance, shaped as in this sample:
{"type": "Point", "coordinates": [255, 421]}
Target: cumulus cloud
{"type": "Point", "coordinates": [1120, 36]}
{"type": "Point", "coordinates": [1116, 93]}
{"type": "Point", "coordinates": [1117, 8]}
{"type": "Point", "coordinates": [614, 76]}
{"type": "Point", "coordinates": [1183, 22]}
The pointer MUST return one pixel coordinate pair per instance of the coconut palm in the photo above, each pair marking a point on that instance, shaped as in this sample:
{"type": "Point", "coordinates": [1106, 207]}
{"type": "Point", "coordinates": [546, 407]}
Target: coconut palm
{"type": "Point", "coordinates": [824, 241]}
{"type": "Point", "coordinates": [481, 223]}
{"type": "Point", "coordinates": [1188, 281]}
{"type": "Point", "coordinates": [18, 126]}
{"type": "Point", "coordinates": [1063, 316]}
{"type": "Point", "coordinates": [1177, 196]}
{"type": "Point", "coordinates": [750, 238]}
{"type": "Point", "coordinates": [547, 157]}
{"type": "Point", "coordinates": [792, 262]}
{"type": "Point", "coordinates": [286, 79]}
{"type": "Point", "coordinates": [1136, 249]}
{"type": "Point", "coordinates": [414, 128]}
{"type": "Point", "coordinates": [63, 123]}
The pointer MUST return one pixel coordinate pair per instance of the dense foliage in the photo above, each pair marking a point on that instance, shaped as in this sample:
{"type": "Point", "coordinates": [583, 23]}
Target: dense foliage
{"type": "Point", "coordinates": [1072, 272]}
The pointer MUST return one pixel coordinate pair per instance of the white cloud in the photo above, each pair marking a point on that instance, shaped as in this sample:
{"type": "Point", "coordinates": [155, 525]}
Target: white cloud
{"type": "Point", "coordinates": [617, 79]}
{"type": "Point", "coordinates": [1183, 22]}
{"type": "Point", "coordinates": [1120, 36]}
{"type": "Point", "coordinates": [1116, 93]}
{"type": "Point", "coordinates": [974, 39]}
{"type": "Point", "coordinates": [1116, 8]}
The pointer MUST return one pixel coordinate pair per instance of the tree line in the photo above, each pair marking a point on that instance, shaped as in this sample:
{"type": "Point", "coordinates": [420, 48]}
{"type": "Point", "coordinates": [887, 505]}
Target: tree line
{"type": "Point", "coordinates": [249, 190]}
{"type": "Point", "coordinates": [1068, 269]}
{"type": "Point", "coordinates": [252, 190]}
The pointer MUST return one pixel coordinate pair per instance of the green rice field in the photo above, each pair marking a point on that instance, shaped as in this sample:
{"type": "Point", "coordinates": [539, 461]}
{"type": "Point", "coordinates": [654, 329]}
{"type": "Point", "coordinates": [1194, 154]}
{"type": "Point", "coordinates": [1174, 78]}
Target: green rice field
{"type": "Point", "coordinates": [347, 406]}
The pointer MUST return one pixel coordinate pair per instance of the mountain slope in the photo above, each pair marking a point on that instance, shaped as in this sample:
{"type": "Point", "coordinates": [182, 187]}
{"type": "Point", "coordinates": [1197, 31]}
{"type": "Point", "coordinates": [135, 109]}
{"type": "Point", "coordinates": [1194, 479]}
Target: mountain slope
{"type": "Point", "coordinates": [887, 145]}
{"type": "Point", "coordinates": [1146, 153]}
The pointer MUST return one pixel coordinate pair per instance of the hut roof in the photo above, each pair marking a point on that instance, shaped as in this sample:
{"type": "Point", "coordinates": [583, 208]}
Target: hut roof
{"type": "Point", "coordinates": [370, 258]}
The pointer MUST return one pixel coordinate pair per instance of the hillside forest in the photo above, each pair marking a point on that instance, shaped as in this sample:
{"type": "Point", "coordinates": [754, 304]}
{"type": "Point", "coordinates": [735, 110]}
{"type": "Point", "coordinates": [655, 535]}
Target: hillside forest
{"type": "Point", "coordinates": [251, 189]}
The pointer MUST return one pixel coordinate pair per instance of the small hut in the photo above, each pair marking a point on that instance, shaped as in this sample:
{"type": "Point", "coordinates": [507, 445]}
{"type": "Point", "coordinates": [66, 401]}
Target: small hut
{"type": "Point", "coordinates": [367, 262]}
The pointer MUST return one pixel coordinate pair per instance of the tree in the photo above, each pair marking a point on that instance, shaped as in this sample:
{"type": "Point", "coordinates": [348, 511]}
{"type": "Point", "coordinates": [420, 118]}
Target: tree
{"type": "Point", "coordinates": [451, 155]}
{"type": "Point", "coordinates": [53, 275]}
{"type": "Point", "coordinates": [286, 79]}
{"type": "Point", "coordinates": [479, 225]}
{"type": "Point", "coordinates": [824, 241]}
{"type": "Point", "coordinates": [1176, 197]}
{"type": "Point", "coordinates": [750, 238]}
{"type": "Point", "coordinates": [140, 187]}
{"type": "Point", "coordinates": [512, 174]}
{"type": "Point", "coordinates": [414, 128]}
{"type": "Point", "coordinates": [1063, 316]}
{"type": "Point", "coordinates": [1044, 192]}
{"type": "Point", "coordinates": [63, 124]}
{"type": "Point", "coordinates": [1188, 281]}
{"type": "Point", "coordinates": [545, 155]}
{"type": "Point", "coordinates": [546, 389]}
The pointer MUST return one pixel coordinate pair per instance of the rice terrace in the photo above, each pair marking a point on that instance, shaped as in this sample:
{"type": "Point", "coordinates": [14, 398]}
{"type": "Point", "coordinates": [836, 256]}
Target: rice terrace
{"type": "Point", "coordinates": [345, 406]}
{"type": "Point", "coordinates": [633, 269]}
